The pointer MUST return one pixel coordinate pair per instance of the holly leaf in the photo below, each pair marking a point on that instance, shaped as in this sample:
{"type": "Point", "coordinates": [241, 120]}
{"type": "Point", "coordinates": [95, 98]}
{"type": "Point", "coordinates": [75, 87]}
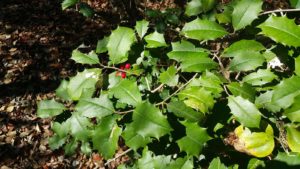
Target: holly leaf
{"type": "Point", "coordinates": [293, 138]}
{"type": "Point", "coordinates": [203, 30]}
{"type": "Point", "coordinates": [169, 77]}
{"type": "Point", "coordinates": [101, 45]}
{"type": "Point", "coordinates": [141, 27]}
{"type": "Point", "coordinates": [264, 100]}
{"type": "Point", "coordinates": [55, 142]}
{"type": "Point", "coordinates": [197, 98]}
{"type": "Point", "coordinates": [293, 112]}
{"type": "Point", "coordinates": [86, 148]}
{"type": "Point", "coordinates": [282, 30]}
{"type": "Point", "coordinates": [244, 111]}
{"type": "Point", "coordinates": [49, 108]}
{"type": "Point", "coordinates": [83, 82]}
{"type": "Point", "coordinates": [181, 163]}
{"type": "Point", "coordinates": [106, 136]}
{"type": "Point", "coordinates": [155, 40]}
{"type": "Point", "coordinates": [286, 91]}
{"type": "Point", "coordinates": [246, 61]}
{"type": "Point", "coordinates": [216, 164]}
{"type": "Point", "coordinates": [255, 163]}
{"type": "Point", "coordinates": [295, 3]}
{"type": "Point", "coordinates": [181, 110]}
{"type": "Point", "coordinates": [119, 44]}
{"type": "Point", "coordinates": [62, 90]}
{"type": "Point", "coordinates": [244, 90]}
{"type": "Point", "coordinates": [245, 12]}
{"type": "Point", "coordinates": [79, 126]}
{"type": "Point", "coordinates": [291, 159]}
{"type": "Point", "coordinates": [91, 58]}
{"type": "Point", "coordinates": [241, 47]}
{"type": "Point", "coordinates": [297, 66]}
{"type": "Point", "coordinates": [194, 140]}
{"type": "Point", "coordinates": [259, 78]}
{"type": "Point", "coordinates": [195, 7]}
{"type": "Point", "coordinates": [127, 92]}
{"type": "Point", "coordinates": [148, 121]}
{"type": "Point", "coordinates": [70, 147]}
{"type": "Point", "coordinates": [258, 144]}
{"type": "Point", "coordinates": [67, 3]}
{"type": "Point", "coordinates": [133, 139]}
{"type": "Point", "coordinates": [95, 107]}
{"type": "Point", "coordinates": [192, 59]}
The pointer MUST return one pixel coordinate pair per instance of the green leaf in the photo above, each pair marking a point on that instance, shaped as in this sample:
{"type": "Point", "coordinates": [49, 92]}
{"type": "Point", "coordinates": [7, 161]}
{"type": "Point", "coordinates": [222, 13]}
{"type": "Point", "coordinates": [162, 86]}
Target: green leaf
{"type": "Point", "coordinates": [247, 61]}
{"type": "Point", "coordinates": [101, 45]}
{"type": "Point", "coordinates": [216, 164]}
{"type": "Point", "coordinates": [67, 3]}
{"type": "Point", "coordinates": [293, 112]}
{"type": "Point", "coordinates": [264, 100]}
{"type": "Point", "coordinates": [197, 98]}
{"type": "Point", "coordinates": [226, 16]}
{"type": "Point", "coordinates": [291, 159]}
{"type": "Point", "coordinates": [258, 144]}
{"type": "Point", "coordinates": [106, 136]}
{"type": "Point", "coordinates": [192, 59]}
{"type": "Point", "coordinates": [70, 148]}
{"type": "Point", "coordinates": [293, 138]}
{"type": "Point", "coordinates": [49, 108]}
{"type": "Point", "coordinates": [62, 90]}
{"type": "Point", "coordinates": [181, 110]}
{"type": "Point", "coordinates": [194, 140]}
{"type": "Point", "coordinates": [282, 30]}
{"type": "Point", "coordinates": [83, 82]}
{"type": "Point", "coordinates": [79, 126]}
{"type": "Point", "coordinates": [245, 12]}
{"type": "Point", "coordinates": [91, 58]}
{"type": "Point", "coordinates": [86, 148]}
{"type": "Point", "coordinates": [297, 66]}
{"type": "Point", "coordinates": [57, 128]}
{"type": "Point", "coordinates": [259, 78]}
{"type": "Point", "coordinates": [244, 90]}
{"type": "Point", "coordinates": [195, 7]}
{"type": "Point", "coordinates": [56, 141]}
{"type": "Point", "coordinates": [155, 40]}
{"type": "Point", "coordinates": [203, 30]}
{"type": "Point", "coordinates": [86, 10]}
{"type": "Point", "coordinates": [286, 91]}
{"type": "Point", "coordinates": [95, 107]}
{"type": "Point", "coordinates": [169, 77]}
{"type": "Point", "coordinates": [295, 3]}
{"type": "Point", "coordinates": [141, 27]}
{"type": "Point", "coordinates": [181, 163]}
{"type": "Point", "coordinates": [241, 47]}
{"type": "Point", "coordinates": [127, 92]}
{"type": "Point", "coordinates": [119, 44]}
{"type": "Point", "coordinates": [244, 111]}
{"type": "Point", "coordinates": [255, 163]}
{"type": "Point", "coordinates": [148, 121]}
{"type": "Point", "coordinates": [133, 139]}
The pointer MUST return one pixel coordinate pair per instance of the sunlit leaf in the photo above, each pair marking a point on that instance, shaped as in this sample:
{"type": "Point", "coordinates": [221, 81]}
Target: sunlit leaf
{"type": "Point", "coordinates": [241, 47]}
{"type": "Point", "coordinates": [282, 30]}
{"type": "Point", "coordinates": [67, 3]}
{"type": "Point", "coordinates": [155, 40]}
{"type": "Point", "coordinates": [261, 77]}
{"type": "Point", "coordinates": [49, 108]}
{"type": "Point", "coordinates": [195, 7]}
{"type": "Point", "coordinates": [182, 110]}
{"type": "Point", "coordinates": [216, 164]}
{"type": "Point", "coordinates": [203, 30]}
{"type": "Point", "coordinates": [255, 163]}
{"type": "Point", "coordinates": [141, 27]}
{"type": "Point", "coordinates": [101, 45]}
{"type": "Point", "coordinates": [293, 138]}
{"type": "Point", "coordinates": [291, 159]}
{"type": "Point", "coordinates": [244, 90]}
{"type": "Point", "coordinates": [169, 76]}
{"type": "Point", "coordinates": [91, 58]}
{"type": "Point", "coordinates": [244, 111]}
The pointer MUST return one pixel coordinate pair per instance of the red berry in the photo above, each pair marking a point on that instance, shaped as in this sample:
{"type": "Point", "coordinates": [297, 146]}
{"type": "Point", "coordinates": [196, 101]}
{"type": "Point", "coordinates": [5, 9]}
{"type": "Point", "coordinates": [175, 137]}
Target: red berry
{"type": "Point", "coordinates": [127, 66]}
{"type": "Point", "coordinates": [123, 75]}
{"type": "Point", "coordinates": [122, 67]}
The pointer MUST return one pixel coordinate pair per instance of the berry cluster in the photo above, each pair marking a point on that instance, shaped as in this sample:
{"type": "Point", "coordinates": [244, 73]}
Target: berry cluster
{"type": "Point", "coordinates": [123, 67]}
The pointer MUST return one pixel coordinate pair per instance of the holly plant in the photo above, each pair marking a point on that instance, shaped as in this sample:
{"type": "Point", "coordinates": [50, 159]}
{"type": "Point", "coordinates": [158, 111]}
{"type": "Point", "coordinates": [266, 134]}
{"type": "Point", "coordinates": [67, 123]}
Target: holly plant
{"type": "Point", "coordinates": [223, 93]}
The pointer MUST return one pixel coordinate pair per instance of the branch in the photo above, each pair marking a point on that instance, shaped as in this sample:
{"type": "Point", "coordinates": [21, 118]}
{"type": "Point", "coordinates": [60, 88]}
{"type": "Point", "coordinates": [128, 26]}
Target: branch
{"type": "Point", "coordinates": [279, 10]}
{"type": "Point", "coordinates": [178, 90]}
{"type": "Point", "coordinates": [115, 68]}
{"type": "Point", "coordinates": [118, 156]}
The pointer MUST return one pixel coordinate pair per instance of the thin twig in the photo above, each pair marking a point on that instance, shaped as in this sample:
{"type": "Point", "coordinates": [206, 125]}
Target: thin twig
{"type": "Point", "coordinates": [115, 68]}
{"type": "Point", "coordinates": [124, 112]}
{"type": "Point", "coordinates": [158, 88]}
{"type": "Point", "coordinates": [280, 10]}
{"type": "Point", "coordinates": [178, 90]}
{"type": "Point", "coordinates": [118, 156]}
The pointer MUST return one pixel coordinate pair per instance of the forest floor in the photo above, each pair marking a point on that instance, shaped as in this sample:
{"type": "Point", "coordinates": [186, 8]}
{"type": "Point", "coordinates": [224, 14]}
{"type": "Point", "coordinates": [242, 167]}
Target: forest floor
{"type": "Point", "coordinates": [36, 41]}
